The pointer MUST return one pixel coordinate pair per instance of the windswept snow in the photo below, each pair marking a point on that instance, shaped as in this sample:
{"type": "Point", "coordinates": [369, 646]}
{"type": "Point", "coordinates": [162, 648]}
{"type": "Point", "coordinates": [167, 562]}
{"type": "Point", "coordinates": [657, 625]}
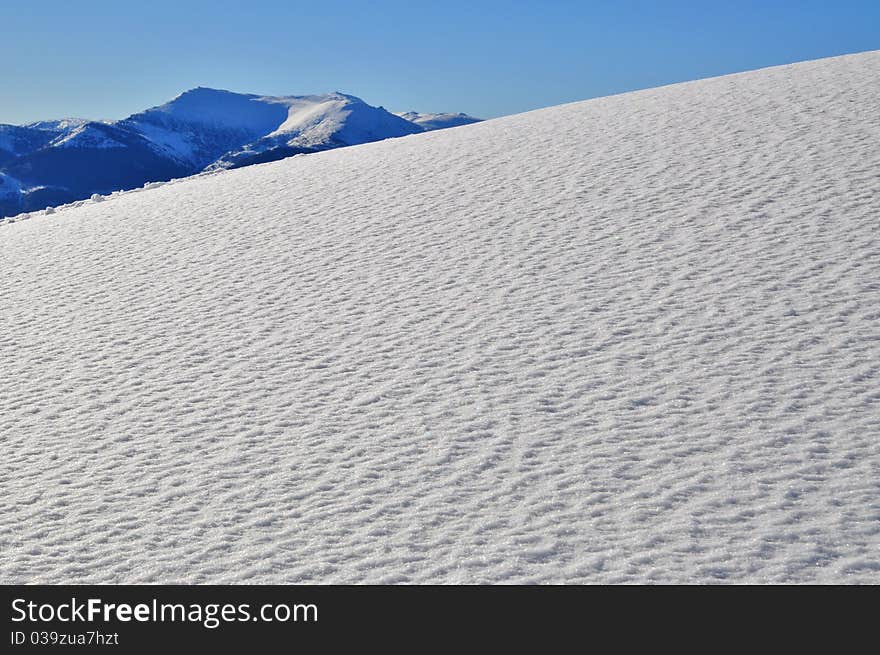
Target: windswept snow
{"type": "Point", "coordinates": [630, 339]}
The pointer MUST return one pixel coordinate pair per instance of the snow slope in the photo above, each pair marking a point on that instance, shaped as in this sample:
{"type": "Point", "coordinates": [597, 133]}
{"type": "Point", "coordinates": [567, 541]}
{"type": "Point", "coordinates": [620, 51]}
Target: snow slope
{"type": "Point", "coordinates": [626, 340]}
{"type": "Point", "coordinates": [21, 139]}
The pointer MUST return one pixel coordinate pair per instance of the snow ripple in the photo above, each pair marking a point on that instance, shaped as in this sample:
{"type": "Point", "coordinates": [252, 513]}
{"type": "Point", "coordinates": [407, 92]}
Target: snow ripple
{"type": "Point", "coordinates": [634, 339]}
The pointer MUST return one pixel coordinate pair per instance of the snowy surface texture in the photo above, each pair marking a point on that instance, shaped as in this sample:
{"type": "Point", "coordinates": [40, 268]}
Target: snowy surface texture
{"type": "Point", "coordinates": [626, 340]}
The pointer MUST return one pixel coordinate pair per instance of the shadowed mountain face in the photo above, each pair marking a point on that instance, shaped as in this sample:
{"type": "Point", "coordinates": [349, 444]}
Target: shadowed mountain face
{"type": "Point", "coordinates": [55, 162]}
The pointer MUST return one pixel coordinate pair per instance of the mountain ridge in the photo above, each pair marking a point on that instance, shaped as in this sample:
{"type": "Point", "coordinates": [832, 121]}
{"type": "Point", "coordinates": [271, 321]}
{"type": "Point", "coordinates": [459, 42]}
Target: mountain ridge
{"type": "Point", "coordinates": [59, 161]}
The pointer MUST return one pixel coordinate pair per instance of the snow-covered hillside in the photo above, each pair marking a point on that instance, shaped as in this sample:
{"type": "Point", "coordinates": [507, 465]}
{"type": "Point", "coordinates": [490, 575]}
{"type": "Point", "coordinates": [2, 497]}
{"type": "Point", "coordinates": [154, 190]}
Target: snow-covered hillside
{"type": "Point", "coordinates": [18, 140]}
{"type": "Point", "coordinates": [630, 339]}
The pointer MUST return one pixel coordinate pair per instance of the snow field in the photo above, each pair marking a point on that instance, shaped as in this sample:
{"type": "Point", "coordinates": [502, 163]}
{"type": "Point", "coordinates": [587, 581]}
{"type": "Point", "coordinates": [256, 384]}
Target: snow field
{"type": "Point", "coordinates": [633, 339]}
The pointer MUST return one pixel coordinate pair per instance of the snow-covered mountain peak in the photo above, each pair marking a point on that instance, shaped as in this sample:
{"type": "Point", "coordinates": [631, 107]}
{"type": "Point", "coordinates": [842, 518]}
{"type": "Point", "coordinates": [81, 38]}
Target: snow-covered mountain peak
{"type": "Point", "coordinates": [198, 129]}
{"type": "Point", "coordinates": [217, 109]}
{"type": "Point", "coordinates": [438, 121]}
{"type": "Point", "coordinates": [317, 120]}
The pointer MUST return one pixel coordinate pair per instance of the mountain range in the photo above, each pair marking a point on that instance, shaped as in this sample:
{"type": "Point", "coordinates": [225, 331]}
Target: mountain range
{"type": "Point", "coordinates": [54, 162]}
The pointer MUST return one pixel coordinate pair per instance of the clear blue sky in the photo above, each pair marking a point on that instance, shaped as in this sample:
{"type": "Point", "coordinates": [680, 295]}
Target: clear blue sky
{"type": "Point", "coordinates": [110, 58]}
